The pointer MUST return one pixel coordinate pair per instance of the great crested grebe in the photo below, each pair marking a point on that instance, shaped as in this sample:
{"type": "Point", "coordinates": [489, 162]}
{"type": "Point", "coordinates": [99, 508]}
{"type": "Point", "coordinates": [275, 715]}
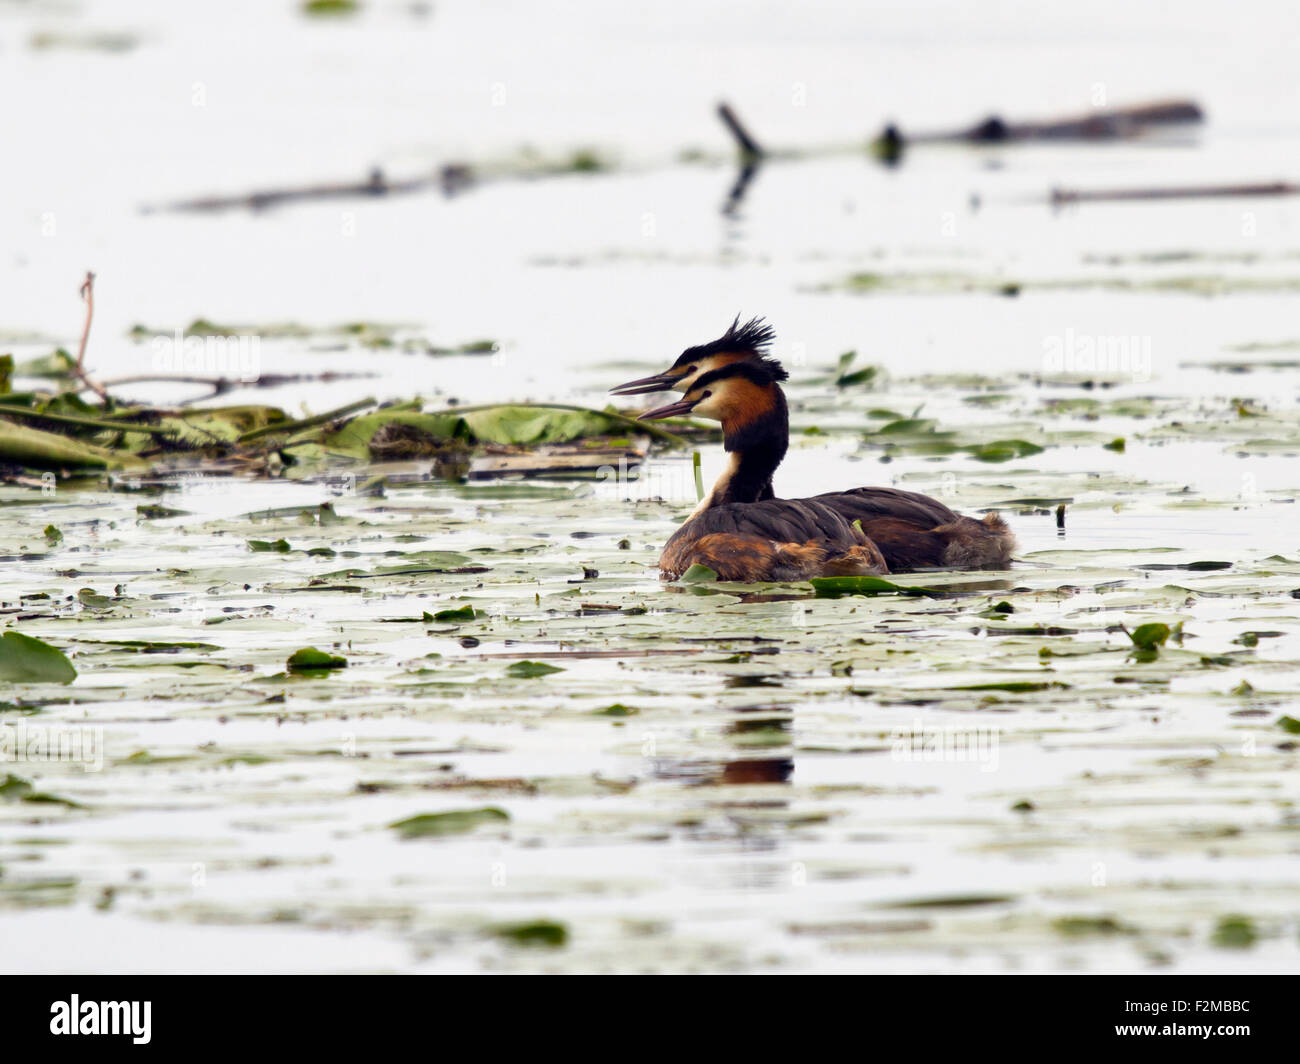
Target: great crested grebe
{"type": "Point", "coordinates": [742, 532]}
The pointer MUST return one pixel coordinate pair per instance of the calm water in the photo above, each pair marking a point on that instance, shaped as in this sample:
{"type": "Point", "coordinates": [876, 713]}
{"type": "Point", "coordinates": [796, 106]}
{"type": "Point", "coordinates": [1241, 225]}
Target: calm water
{"type": "Point", "coordinates": [246, 836]}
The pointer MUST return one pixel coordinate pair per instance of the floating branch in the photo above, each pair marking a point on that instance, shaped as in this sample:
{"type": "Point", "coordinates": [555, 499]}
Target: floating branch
{"type": "Point", "coordinates": [375, 185]}
{"type": "Point", "coordinates": [1105, 124]}
{"type": "Point", "coordinates": [750, 151]}
{"type": "Point", "coordinates": [1068, 195]}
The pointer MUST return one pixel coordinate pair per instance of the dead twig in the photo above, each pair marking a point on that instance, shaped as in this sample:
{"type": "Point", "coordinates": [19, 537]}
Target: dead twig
{"type": "Point", "coordinates": [88, 294]}
{"type": "Point", "coordinates": [222, 385]}
{"type": "Point", "coordinates": [750, 150]}
{"type": "Point", "coordinates": [1274, 188]}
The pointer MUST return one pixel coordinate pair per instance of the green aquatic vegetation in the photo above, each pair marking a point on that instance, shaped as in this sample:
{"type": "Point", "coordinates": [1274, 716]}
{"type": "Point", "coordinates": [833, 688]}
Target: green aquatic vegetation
{"type": "Point", "coordinates": [1234, 931]}
{"type": "Point", "coordinates": [27, 446]}
{"type": "Point", "coordinates": [1081, 926]}
{"type": "Point", "coordinates": [617, 710]}
{"type": "Point", "coordinates": [847, 377]}
{"type": "Point", "coordinates": [461, 613]}
{"type": "Point", "coordinates": [456, 822]}
{"type": "Point", "coordinates": [548, 934]}
{"type": "Point", "coordinates": [835, 586]}
{"type": "Point", "coordinates": [955, 901]}
{"type": "Point", "coordinates": [330, 7]}
{"type": "Point", "coordinates": [1004, 450]}
{"type": "Point", "coordinates": [530, 670]}
{"type": "Point", "coordinates": [57, 364]}
{"type": "Point", "coordinates": [24, 659]}
{"type": "Point", "coordinates": [16, 789]}
{"type": "Point", "coordinates": [1147, 640]}
{"type": "Point", "coordinates": [311, 660]}
{"type": "Point", "coordinates": [948, 282]}
{"type": "Point", "coordinates": [585, 161]}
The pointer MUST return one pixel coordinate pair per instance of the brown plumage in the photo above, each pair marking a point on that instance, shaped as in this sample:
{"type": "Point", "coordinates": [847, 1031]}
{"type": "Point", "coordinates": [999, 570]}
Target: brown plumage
{"type": "Point", "coordinates": [771, 540]}
{"type": "Point", "coordinates": [743, 533]}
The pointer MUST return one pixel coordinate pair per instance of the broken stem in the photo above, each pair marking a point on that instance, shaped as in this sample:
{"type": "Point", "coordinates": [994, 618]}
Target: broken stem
{"type": "Point", "coordinates": [88, 294]}
{"type": "Point", "coordinates": [289, 427]}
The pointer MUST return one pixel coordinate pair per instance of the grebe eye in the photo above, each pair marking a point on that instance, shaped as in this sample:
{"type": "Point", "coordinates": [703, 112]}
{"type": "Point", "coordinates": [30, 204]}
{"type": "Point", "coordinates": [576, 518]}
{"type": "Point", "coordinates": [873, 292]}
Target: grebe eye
{"type": "Point", "coordinates": [707, 394]}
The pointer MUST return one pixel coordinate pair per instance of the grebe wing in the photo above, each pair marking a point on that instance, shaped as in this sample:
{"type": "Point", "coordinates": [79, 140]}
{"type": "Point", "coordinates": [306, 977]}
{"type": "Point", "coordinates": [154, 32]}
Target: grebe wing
{"type": "Point", "coordinates": [868, 504]}
{"type": "Point", "coordinates": [782, 520]}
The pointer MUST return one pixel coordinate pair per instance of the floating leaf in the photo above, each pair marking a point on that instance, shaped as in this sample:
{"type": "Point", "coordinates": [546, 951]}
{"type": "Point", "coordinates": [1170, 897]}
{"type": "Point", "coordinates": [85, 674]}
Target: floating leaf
{"type": "Point", "coordinates": [1150, 636]}
{"type": "Point", "coordinates": [309, 659]}
{"type": "Point", "coordinates": [456, 822]}
{"type": "Point", "coordinates": [545, 933]}
{"type": "Point", "coordinates": [318, 8]}
{"type": "Point", "coordinates": [834, 586]}
{"type": "Point", "coordinates": [464, 613]}
{"type": "Point", "coordinates": [1234, 932]}
{"type": "Point", "coordinates": [1004, 450]}
{"type": "Point", "coordinates": [57, 363]}
{"type": "Point", "coordinates": [527, 670]}
{"type": "Point", "coordinates": [12, 787]}
{"type": "Point", "coordinates": [27, 660]}
{"type": "Point", "coordinates": [845, 379]}
{"type": "Point", "coordinates": [538, 424]}
{"type": "Point", "coordinates": [699, 574]}
{"type": "Point", "coordinates": [27, 446]}
{"type": "Point", "coordinates": [1079, 926]}
{"type": "Point", "coordinates": [906, 425]}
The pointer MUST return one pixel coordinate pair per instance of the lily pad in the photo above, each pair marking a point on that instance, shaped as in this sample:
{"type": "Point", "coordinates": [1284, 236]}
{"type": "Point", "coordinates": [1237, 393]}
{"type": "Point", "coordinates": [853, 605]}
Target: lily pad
{"type": "Point", "coordinates": [456, 822]}
{"type": "Point", "coordinates": [309, 659]}
{"type": "Point", "coordinates": [528, 670]}
{"type": "Point", "coordinates": [835, 586]}
{"type": "Point", "coordinates": [27, 660]}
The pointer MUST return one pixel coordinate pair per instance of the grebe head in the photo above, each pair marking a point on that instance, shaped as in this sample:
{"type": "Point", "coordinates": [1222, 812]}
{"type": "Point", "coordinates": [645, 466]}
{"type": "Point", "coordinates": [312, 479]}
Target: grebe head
{"type": "Point", "coordinates": [745, 396]}
{"type": "Point", "coordinates": [740, 343]}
